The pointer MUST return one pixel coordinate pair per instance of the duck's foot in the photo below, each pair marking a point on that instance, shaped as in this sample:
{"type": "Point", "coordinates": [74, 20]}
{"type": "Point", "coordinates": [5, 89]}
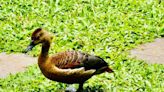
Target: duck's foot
{"type": "Point", "coordinates": [80, 89]}
{"type": "Point", "coordinates": [70, 89]}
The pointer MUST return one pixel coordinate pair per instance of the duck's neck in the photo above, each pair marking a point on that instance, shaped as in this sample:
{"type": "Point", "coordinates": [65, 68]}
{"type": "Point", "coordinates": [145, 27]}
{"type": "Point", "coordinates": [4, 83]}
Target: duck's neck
{"type": "Point", "coordinates": [44, 52]}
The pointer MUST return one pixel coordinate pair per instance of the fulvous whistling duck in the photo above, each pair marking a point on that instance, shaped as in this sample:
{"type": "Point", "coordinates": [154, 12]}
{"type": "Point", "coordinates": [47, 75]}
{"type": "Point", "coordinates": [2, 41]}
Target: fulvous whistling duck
{"type": "Point", "coordinates": [69, 66]}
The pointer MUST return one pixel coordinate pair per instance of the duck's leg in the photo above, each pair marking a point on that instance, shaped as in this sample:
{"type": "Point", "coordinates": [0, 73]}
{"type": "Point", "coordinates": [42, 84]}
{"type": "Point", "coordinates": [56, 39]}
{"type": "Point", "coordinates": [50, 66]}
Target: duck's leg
{"type": "Point", "coordinates": [80, 89]}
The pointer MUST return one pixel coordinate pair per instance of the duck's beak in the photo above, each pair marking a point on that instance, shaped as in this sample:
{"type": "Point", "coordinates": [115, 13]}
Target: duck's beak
{"type": "Point", "coordinates": [29, 48]}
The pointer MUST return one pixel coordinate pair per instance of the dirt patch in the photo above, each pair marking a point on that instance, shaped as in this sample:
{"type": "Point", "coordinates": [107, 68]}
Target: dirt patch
{"type": "Point", "coordinates": [13, 63]}
{"type": "Point", "coordinates": [150, 52]}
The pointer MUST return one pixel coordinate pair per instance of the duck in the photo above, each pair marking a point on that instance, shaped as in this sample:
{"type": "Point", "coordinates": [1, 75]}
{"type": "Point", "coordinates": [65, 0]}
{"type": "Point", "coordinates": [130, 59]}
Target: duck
{"type": "Point", "coordinates": [70, 67]}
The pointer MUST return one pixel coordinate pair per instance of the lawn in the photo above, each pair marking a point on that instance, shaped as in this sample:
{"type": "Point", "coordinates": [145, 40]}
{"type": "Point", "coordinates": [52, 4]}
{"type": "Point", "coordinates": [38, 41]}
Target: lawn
{"type": "Point", "coordinates": [107, 28]}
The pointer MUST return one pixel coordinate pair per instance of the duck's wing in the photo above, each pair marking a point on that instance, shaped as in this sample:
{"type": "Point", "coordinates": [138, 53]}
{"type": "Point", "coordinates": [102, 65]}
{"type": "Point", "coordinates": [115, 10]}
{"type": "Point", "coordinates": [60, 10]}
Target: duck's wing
{"type": "Point", "coordinates": [75, 59]}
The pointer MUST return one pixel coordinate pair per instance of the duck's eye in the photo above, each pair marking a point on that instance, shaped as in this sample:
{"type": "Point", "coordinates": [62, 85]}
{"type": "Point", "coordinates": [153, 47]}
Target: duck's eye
{"type": "Point", "coordinates": [35, 38]}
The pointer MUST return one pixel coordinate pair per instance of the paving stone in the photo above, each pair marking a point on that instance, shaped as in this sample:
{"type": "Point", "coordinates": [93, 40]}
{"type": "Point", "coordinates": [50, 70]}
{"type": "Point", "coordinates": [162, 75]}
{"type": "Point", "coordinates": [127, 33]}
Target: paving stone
{"type": "Point", "coordinates": [150, 52]}
{"type": "Point", "coordinates": [13, 63]}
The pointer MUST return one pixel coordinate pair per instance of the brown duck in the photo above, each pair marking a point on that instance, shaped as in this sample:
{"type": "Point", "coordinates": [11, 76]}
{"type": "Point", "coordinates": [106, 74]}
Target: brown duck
{"type": "Point", "coordinates": [69, 66]}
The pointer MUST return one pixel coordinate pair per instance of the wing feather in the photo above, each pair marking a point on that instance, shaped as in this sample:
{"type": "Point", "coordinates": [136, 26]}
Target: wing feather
{"type": "Point", "coordinates": [75, 59]}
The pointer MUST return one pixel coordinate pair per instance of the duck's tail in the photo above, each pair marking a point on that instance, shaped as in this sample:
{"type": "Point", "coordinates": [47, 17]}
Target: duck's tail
{"type": "Point", "coordinates": [104, 69]}
{"type": "Point", "coordinates": [108, 69]}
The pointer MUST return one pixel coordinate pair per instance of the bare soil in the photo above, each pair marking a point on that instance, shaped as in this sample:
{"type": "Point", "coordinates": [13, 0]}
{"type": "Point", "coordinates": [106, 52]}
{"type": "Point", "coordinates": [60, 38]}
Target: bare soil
{"type": "Point", "coordinates": [13, 63]}
{"type": "Point", "coordinates": [150, 52]}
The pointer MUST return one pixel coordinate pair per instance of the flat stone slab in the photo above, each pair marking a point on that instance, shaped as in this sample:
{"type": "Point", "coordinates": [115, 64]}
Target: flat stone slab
{"type": "Point", "coordinates": [13, 63]}
{"type": "Point", "coordinates": [150, 52]}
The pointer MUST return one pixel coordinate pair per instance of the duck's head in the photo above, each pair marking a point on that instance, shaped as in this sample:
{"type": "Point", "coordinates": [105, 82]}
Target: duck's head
{"type": "Point", "coordinates": [38, 36]}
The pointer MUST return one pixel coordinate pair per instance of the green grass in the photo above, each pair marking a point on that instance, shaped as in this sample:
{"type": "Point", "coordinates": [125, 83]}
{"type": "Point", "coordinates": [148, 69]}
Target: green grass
{"type": "Point", "coordinates": [108, 28]}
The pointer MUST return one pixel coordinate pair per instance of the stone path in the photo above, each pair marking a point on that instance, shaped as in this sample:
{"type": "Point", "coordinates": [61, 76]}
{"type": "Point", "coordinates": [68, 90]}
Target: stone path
{"type": "Point", "coordinates": [13, 63]}
{"type": "Point", "coordinates": [150, 52]}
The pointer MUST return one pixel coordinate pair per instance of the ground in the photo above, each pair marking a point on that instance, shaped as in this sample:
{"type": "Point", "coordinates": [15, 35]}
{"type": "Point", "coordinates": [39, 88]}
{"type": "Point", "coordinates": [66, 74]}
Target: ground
{"type": "Point", "coordinates": [13, 63]}
{"type": "Point", "coordinates": [150, 52]}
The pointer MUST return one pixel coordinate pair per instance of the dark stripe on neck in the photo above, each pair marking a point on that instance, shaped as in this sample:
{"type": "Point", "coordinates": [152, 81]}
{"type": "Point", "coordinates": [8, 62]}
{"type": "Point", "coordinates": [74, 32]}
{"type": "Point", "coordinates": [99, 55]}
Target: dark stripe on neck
{"type": "Point", "coordinates": [45, 48]}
